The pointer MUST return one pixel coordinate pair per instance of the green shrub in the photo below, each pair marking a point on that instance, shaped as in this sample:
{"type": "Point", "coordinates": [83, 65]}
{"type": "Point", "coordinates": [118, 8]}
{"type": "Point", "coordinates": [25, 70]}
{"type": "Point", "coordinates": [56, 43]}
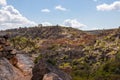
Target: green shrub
{"type": "Point", "coordinates": [38, 58]}
{"type": "Point", "coordinates": [51, 61]}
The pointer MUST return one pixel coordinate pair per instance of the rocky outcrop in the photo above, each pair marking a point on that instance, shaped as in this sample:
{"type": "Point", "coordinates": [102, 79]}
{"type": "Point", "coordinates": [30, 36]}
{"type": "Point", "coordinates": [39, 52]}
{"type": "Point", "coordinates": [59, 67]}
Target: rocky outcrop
{"type": "Point", "coordinates": [45, 71]}
{"type": "Point", "coordinates": [25, 64]}
{"type": "Point", "coordinates": [5, 49]}
{"type": "Point", "coordinates": [14, 65]}
{"type": "Point", "coordinates": [8, 71]}
{"type": "Point", "coordinates": [21, 71]}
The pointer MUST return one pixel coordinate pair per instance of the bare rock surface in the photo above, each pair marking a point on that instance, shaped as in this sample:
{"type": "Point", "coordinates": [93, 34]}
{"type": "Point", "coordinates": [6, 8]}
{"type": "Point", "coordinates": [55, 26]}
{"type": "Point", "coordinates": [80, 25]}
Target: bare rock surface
{"type": "Point", "coordinates": [7, 71]}
{"type": "Point", "coordinates": [25, 64]}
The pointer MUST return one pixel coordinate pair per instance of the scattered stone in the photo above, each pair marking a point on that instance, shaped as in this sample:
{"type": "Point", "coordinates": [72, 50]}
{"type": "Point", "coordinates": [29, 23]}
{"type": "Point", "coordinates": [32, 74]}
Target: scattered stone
{"type": "Point", "coordinates": [5, 48]}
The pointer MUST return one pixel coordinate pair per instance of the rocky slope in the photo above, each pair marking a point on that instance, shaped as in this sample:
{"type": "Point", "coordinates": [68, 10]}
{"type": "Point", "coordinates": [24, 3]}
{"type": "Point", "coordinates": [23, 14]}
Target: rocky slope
{"type": "Point", "coordinates": [66, 51]}
{"type": "Point", "coordinates": [18, 65]}
{"type": "Point", "coordinates": [45, 32]}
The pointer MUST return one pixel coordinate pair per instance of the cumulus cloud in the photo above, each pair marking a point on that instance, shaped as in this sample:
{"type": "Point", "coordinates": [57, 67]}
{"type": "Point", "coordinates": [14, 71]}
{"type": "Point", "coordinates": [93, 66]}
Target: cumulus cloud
{"type": "Point", "coordinates": [12, 18]}
{"type": "Point", "coordinates": [45, 10]}
{"type": "Point", "coordinates": [46, 24]}
{"type": "Point", "coordinates": [59, 7]}
{"type": "Point", "coordinates": [73, 23]}
{"type": "Point", "coordinates": [3, 2]}
{"type": "Point", "coordinates": [108, 7]}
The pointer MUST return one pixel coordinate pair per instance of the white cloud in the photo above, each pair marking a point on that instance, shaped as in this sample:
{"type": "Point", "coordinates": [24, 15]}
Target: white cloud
{"type": "Point", "coordinates": [73, 23]}
{"type": "Point", "coordinates": [12, 18]}
{"type": "Point", "coordinates": [46, 24]}
{"type": "Point", "coordinates": [59, 7]}
{"type": "Point", "coordinates": [67, 23]}
{"type": "Point", "coordinates": [108, 7]}
{"type": "Point", "coordinates": [3, 2]}
{"type": "Point", "coordinates": [45, 10]}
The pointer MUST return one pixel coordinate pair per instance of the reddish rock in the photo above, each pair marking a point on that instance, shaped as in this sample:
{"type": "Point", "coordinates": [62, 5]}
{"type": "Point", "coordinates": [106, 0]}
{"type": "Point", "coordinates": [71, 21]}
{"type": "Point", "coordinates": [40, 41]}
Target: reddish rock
{"type": "Point", "coordinates": [12, 66]}
{"type": "Point", "coordinates": [24, 63]}
{"type": "Point", "coordinates": [7, 71]}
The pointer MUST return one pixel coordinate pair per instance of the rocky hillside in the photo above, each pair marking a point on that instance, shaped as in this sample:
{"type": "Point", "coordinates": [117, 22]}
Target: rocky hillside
{"type": "Point", "coordinates": [66, 51]}
{"type": "Point", "coordinates": [49, 32]}
{"type": "Point", "coordinates": [18, 65]}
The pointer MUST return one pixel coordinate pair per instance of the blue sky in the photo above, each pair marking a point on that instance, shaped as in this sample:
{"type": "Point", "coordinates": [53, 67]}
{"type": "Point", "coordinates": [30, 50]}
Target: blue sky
{"type": "Point", "coordinates": [82, 14]}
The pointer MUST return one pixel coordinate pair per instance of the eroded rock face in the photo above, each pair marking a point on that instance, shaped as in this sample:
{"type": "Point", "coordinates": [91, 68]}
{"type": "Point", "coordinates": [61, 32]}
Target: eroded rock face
{"type": "Point", "coordinates": [7, 71]}
{"type": "Point", "coordinates": [13, 65]}
{"type": "Point", "coordinates": [21, 71]}
{"type": "Point", "coordinates": [25, 64]}
{"type": "Point", "coordinates": [45, 71]}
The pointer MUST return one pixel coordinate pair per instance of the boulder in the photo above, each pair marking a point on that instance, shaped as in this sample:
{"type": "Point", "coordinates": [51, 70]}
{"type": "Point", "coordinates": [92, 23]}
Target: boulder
{"type": "Point", "coordinates": [21, 71]}
{"type": "Point", "coordinates": [24, 63]}
{"type": "Point", "coordinates": [43, 69]}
